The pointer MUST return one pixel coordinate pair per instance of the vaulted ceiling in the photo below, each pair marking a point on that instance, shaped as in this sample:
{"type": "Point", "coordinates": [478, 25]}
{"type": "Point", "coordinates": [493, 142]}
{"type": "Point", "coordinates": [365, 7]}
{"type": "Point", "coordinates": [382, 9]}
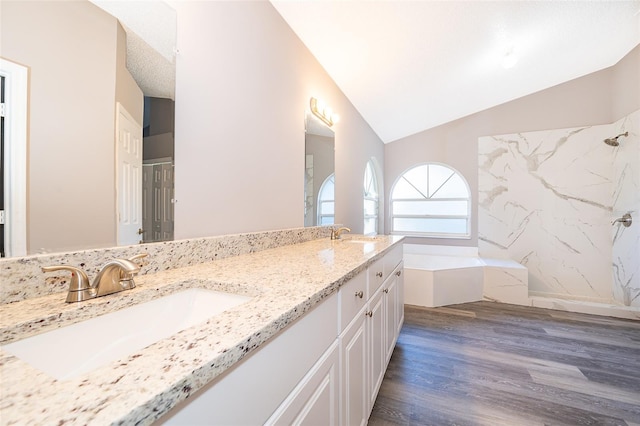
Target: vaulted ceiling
{"type": "Point", "coordinates": [408, 66]}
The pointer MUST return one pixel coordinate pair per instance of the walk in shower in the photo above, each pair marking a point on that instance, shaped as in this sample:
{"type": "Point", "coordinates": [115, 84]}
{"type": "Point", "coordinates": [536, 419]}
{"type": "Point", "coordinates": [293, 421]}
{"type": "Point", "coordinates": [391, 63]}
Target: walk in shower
{"type": "Point", "coordinates": [558, 202]}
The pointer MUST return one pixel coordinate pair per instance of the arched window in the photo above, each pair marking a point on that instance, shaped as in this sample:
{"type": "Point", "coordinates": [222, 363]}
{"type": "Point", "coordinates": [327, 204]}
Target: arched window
{"type": "Point", "coordinates": [370, 200]}
{"type": "Point", "coordinates": [431, 200]}
{"type": "Point", "coordinates": [326, 201]}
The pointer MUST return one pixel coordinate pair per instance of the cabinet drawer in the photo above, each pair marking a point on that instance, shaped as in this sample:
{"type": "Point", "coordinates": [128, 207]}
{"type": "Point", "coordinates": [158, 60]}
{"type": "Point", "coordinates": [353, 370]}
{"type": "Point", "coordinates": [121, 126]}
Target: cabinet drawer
{"type": "Point", "coordinates": [392, 259]}
{"type": "Point", "coordinates": [376, 275]}
{"type": "Point", "coordinates": [352, 297]}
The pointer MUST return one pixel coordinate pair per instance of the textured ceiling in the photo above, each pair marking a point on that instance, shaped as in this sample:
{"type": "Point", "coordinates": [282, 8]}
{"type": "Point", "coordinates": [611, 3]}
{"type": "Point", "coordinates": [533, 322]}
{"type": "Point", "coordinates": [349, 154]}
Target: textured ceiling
{"type": "Point", "coordinates": [408, 66]}
{"type": "Point", "coordinates": [151, 40]}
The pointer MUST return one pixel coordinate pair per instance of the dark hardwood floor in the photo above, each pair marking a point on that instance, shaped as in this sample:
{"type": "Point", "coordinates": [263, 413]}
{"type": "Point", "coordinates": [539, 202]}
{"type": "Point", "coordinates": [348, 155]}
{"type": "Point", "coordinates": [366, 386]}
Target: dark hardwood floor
{"type": "Point", "coordinates": [487, 363]}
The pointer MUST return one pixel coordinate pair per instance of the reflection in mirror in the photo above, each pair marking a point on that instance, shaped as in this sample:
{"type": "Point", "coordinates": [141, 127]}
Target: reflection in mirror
{"type": "Point", "coordinates": [319, 173]}
{"type": "Point", "coordinates": [84, 67]}
{"type": "Point", "coordinates": [371, 199]}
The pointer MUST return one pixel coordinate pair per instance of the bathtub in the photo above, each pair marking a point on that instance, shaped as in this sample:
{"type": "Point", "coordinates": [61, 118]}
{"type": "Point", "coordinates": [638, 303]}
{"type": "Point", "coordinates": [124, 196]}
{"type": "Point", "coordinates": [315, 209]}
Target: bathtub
{"type": "Point", "coordinates": [442, 275]}
{"type": "Point", "coordinates": [436, 280]}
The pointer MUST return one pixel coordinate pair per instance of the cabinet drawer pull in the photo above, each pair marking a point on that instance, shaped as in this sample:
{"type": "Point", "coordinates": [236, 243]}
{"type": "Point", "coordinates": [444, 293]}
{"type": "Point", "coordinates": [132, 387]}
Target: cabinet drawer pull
{"type": "Point", "coordinates": [379, 274]}
{"type": "Point", "coordinates": [398, 273]}
{"type": "Point", "coordinates": [369, 313]}
{"type": "Point", "coordinates": [359, 294]}
{"type": "Point", "coordinates": [386, 290]}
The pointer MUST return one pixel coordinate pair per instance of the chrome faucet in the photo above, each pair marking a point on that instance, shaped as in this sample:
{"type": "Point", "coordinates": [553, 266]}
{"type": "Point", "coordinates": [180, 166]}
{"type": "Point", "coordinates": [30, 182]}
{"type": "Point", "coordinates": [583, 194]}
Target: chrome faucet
{"type": "Point", "coordinates": [335, 233]}
{"type": "Point", "coordinates": [626, 220]}
{"type": "Point", "coordinates": [114, 276]}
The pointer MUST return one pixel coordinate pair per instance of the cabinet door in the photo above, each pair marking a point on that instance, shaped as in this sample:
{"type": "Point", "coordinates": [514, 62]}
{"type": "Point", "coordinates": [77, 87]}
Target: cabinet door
{"type": "Point", "coordinates": [352, 298]}
{"type": "Point", "coordinates": [376, 276]}
{"type": "Point", "coordinates": [390, 290]}
{"type": "Point", "coordinates": [355, 395]}
{"type": "Point", "coordinates": [400, 297]}
{"type": "Point", "coordinates": [377, 353]}
{"type": "Point", "coordinates": [315, 401]}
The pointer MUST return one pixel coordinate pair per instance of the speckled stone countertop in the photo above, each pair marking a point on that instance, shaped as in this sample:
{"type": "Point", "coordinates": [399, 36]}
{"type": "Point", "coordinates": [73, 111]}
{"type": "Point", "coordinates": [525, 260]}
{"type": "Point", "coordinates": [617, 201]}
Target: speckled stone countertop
{"type": "Point", "coordinates": [284, 283]}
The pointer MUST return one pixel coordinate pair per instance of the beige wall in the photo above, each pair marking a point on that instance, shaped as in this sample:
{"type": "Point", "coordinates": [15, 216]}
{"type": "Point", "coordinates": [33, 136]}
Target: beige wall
{"type": "Point", "coordinates": [598, 98]}
{"type": "Point", "coordinates": [243, 83]}
{"type": "Point", "coordinates": [70, 49]}
{"type": "Point", "coordinates": [625, 85]}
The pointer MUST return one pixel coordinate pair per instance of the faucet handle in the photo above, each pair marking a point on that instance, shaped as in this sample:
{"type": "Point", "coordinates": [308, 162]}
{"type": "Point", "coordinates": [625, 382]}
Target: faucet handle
{"type": "Point", "coordinates": [126, 277]}
{"type": "Point", "coordinates": [79, 287]}
{"type": "Point", "coordinates": [137, 257]}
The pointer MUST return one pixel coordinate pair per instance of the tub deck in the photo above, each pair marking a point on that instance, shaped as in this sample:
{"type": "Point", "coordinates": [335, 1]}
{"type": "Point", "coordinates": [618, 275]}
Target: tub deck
{"type": "Point", "coordinates": [437, 280]}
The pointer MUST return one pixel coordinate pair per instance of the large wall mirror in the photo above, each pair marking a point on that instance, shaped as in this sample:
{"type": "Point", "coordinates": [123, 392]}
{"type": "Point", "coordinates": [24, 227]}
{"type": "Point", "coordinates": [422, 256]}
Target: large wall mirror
{"type": "Point", "coordinates": [87, 62]}
{"type": "Point", "coordinates": [319, 200]}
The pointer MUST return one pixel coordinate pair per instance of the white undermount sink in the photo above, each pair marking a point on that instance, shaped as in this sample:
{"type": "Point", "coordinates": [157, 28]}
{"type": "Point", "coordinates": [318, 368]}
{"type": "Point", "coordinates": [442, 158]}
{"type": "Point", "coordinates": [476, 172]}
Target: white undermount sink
{"type": "Point", "coordinates": [79, 348]}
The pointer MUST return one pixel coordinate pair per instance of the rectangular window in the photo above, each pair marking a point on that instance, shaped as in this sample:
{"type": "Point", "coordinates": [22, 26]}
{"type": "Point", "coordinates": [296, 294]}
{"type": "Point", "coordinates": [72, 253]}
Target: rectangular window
{"type": "Point", "coordinates": [431, 208]}
{"type": "Point", "coordinates": [419, 225]}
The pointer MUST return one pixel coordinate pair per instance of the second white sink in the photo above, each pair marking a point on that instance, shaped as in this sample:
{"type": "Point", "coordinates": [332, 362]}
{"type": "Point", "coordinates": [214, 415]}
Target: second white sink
{"type": "Point", "coordinates": [79, 348]}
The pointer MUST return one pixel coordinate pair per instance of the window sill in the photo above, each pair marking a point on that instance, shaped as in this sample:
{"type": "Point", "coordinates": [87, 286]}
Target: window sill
{"type": "Point", "coordinates": [441, 237]}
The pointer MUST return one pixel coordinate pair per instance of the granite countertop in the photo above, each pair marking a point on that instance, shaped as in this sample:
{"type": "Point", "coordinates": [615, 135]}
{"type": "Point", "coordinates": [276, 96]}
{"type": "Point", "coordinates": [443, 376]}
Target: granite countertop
{"type": "Point", "coordinates": [283, 283]}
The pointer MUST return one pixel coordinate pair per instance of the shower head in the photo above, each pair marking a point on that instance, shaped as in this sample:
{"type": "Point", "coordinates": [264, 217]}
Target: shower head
{"type": "Point", "coordinates": [614, 141]}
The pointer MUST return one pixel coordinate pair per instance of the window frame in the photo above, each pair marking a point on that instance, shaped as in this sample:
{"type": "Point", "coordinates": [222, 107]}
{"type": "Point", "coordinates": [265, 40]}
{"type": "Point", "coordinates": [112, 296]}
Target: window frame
{"type": "Point", "coordinates": [367, 197]}
{"type": "Point", "coordinates": [448, 235]}
{"type": "Point", "coordinates": [321, 201]}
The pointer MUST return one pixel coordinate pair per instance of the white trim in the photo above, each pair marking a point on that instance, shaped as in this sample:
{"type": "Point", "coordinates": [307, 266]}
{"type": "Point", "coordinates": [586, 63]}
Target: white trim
{"type": "Point", "coordinates": [322, 201]}
{"type": "Point", "coordinates": [367, 197]}
{"type": "Point", "coordinates": [16, 99]}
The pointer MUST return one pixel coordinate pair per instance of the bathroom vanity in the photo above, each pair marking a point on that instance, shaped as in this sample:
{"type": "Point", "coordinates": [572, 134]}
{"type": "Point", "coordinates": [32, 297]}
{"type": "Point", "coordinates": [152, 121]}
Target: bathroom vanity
{"type": "Point", "coordinates": [309, 342]}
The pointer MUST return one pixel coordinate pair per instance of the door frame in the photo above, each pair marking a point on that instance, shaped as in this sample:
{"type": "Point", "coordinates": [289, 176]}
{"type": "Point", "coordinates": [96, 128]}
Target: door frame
{"type": "Point", "coordinates": [16, 104]}
{"type": "Point", "coordinates": [121, 110]}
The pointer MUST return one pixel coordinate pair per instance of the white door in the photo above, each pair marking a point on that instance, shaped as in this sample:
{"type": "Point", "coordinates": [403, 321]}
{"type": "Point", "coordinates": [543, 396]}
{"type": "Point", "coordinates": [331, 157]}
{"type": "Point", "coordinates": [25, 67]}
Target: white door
{"type": "Point", "coordinates": [129, 177]}
{"type": "Point", "coordinates": [147, 203]}
{"type": "Point", "coordinates": [14, 167]}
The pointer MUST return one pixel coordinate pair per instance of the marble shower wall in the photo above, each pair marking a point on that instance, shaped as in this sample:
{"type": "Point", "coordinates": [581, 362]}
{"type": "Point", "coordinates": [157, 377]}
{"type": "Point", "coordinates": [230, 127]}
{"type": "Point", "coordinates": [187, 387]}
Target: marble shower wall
{"type": "Point", "coordinates": [546, 200]}
{"type": "Point", "coordinates": [626, 199]}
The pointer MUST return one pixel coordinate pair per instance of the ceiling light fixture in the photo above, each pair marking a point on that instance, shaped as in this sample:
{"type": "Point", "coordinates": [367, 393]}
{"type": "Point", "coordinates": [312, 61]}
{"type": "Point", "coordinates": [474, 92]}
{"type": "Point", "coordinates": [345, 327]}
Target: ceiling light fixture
{"type": "Point", "coordinates": [510, 59]}
{"type": "Point", "coordinates": [323, 112]}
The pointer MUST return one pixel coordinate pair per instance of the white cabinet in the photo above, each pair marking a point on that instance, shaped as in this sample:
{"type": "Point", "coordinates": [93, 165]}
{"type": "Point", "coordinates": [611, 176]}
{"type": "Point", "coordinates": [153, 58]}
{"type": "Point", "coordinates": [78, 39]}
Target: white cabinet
{"type": "Point", "coordinates": [352, 297]}
{"type": "Point", "coordinates": [393, 290]}
{"type": "Point", "coordinates": [377, 353]}
{"type": "Point", "coordinates": [253, 390]}
{"type": "Point", "coordinates": [354, 354]}
{"type": "Point", "coordinates": [375, 274]}
{"type": "Point", "coordinates": [367, 343]}
{"type": "Point", "coordinates": [325, 369]}
{"type": "Point", "coordinates": [316, 399]}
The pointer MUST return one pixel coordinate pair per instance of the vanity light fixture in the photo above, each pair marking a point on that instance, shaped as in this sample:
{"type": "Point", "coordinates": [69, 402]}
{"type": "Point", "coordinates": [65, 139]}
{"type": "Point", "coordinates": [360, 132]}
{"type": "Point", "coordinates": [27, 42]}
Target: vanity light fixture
{"type": "Point", "coordinates": [323, 112]}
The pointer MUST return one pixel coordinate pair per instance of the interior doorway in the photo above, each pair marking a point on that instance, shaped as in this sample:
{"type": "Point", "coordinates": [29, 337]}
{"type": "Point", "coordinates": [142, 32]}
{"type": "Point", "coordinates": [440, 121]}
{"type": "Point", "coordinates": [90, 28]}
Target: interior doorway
{"type": "Point", "coordinates": [2, 79]}
{"type": "Point", "coordinates": [13, 159]}
{"type": "Point", "coordinates": [158, 170]}
{"type": "Point", "coordinates": [129, 177]}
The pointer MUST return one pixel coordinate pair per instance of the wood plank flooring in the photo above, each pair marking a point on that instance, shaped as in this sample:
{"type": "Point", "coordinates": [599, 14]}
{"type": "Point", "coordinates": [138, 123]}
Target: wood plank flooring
{"type": "Point", "coordinates": [487, 363]}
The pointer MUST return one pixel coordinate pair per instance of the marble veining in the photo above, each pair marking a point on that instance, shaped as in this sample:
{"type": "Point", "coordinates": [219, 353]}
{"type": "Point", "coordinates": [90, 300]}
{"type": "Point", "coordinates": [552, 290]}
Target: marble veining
{"type": "Point", "coordinates": [547, 200]}
{"type": "Point", "coordinates": [284, 283]}
{"type": "Point", "coordinates": [626, 199]}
